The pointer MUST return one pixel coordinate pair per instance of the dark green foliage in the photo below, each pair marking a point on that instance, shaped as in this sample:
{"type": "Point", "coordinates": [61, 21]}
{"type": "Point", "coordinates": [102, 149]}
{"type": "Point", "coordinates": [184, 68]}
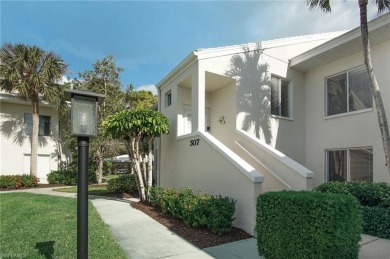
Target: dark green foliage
{"type": "Point", "coordinates": [122, 184]}
{"type": "Point", "coordinates": [69, 177]}
{"type": "Point", "coordinates": [376, 221]}
{"type": "Point", "coordinates": [196, 210]}
{"type": "Point", "coordinates": [374, 199]}
{"type": "Point", "coordinates": [18, 181]}
{"type": "Point", "coordinates": [368, 193]}
{"type": "Point", "coordinates": [306, 224]}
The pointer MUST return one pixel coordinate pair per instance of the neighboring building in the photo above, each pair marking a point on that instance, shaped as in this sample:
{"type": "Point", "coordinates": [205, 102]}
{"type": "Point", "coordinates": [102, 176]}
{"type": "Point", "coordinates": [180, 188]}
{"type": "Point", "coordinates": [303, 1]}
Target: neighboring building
{"type": "Point", "coordinates": [283, 114]}
{"type": "Point", "coordinates": [15, 137]}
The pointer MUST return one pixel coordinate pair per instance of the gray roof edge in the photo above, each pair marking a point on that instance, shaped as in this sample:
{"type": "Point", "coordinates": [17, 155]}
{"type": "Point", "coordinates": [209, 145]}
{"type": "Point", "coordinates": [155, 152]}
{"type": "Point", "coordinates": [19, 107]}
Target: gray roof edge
{"type": "Point", "coordinates": [346, 37]}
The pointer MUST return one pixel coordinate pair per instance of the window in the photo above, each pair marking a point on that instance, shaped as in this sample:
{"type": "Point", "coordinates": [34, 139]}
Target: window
{"type": "Point", "coordinates": [280, 97]}
{"type": "Point", "coordinates": [348, 92]}
{"type": "Point", "coordinates": [168, 99]}
{"type": "Point", "coordinates": [350, 164]}
{"type": "Point", "coordinates": [44, 125]}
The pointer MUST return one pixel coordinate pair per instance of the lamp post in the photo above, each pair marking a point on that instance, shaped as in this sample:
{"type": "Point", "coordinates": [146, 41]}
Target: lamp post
{"type": "Point", "coordinates": [84, 115]}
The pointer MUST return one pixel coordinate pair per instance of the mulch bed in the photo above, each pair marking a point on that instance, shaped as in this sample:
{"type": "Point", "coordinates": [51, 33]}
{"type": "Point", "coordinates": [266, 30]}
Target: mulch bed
{"type": "Point", "coordinates": [200, 237]}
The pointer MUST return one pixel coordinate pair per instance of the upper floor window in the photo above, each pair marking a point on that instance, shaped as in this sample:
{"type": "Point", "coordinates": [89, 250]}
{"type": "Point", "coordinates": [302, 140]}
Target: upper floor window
{"type": "Point", "coordinates": [350, 164]}
{"type": "Point", "coordinates": [280, 97]}
{"type": "Point", "coordinates": [44, 125]}
{"type": "Point", "coordinates": [348, 92]}
{"type": "Point", "coordinates": [168, 99]}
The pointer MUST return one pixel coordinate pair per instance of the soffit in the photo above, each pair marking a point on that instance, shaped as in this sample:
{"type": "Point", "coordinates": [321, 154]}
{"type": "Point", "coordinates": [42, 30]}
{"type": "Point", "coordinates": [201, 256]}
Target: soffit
{"type": "Point", "coordinates": [213, 81]}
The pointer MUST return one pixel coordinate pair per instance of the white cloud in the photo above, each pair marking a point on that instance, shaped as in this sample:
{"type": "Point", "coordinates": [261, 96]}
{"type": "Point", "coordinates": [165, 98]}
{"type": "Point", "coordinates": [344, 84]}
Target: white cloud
{"type": "Point", "coordinates": [150, 87]}
{"type": "Point", "coordinates": [293, 18]}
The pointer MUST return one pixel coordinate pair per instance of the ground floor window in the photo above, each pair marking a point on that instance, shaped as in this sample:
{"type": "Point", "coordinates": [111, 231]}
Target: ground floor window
{"type": "Point", "coordinates": [350, 164]}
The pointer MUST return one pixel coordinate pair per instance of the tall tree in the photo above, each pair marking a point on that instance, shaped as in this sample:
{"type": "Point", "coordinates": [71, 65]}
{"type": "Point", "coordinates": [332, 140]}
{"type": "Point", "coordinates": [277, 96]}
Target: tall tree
{"type": "Point", "coordinates": [103, 79]}
{"type": "Point", "coordinates": [34, 74]}
{"type": "Point", "coordinates": [134, 128]}
{"type": "Point", "coordinates": [382, 5]}
{"type": "Point", "coordinates": [139, 99]}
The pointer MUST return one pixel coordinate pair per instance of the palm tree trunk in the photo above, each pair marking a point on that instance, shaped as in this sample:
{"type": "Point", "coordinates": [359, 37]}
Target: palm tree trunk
{"type": "Point", "coordinates": [383, 126]}
{"type": "Point", "coordinates": [34, 137]}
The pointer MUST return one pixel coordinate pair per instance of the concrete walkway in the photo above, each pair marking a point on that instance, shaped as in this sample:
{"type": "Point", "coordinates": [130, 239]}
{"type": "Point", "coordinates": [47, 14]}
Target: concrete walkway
{"type": "Point", "coordinates": [142, 237]}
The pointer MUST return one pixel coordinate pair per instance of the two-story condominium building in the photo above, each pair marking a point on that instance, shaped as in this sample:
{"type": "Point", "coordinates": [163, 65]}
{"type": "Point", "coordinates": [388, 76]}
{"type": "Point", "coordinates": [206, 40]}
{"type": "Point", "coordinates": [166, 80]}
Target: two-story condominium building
{"type": "Point", "coordinates": [282, 114]}
{"type": "Point", "coordinates": [15, 137]}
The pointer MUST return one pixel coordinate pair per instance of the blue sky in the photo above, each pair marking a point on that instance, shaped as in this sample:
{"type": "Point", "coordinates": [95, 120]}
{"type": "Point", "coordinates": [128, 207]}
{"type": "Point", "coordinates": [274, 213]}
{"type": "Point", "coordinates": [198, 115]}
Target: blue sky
{"type": "Point", "coordinates": [149, 38]}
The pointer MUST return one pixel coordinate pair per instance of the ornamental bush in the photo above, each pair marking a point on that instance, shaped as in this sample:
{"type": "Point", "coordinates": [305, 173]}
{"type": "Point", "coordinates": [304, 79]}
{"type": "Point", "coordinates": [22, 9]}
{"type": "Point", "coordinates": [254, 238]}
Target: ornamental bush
{"type": "Point", "coordinates": [215, 213]}
{"type": "Point", "coordinates": [122, 184]}
{"type": "Point", "coordinates": [18, 181]}
{"type": "Point", "coordinates": [374, 199]}
{"type": "Point", "coordinates": [376, 221]}
{"type": "Point", "coordinates": [368, 193]}
{"type": "Point", "coordinates": [302, 224]}
{"type": "Point", "coordinates": [69, 176]}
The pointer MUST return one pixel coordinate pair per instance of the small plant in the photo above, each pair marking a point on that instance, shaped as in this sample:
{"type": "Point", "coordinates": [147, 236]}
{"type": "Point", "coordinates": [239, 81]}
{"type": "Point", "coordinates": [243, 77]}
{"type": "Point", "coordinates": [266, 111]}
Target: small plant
{"type": "Point", "coordinates": [18, 181]}
{"type": "Point", "coordinates": [196, 210]}
{"type": "Point", "coordinates": [122, 184]}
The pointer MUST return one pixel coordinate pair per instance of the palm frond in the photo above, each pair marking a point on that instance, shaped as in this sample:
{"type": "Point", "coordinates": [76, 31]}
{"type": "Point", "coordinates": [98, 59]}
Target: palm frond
{"type": "Point", "coordinates": [323, 5]}
{"type": "Point", "coordinates": [383, 5]}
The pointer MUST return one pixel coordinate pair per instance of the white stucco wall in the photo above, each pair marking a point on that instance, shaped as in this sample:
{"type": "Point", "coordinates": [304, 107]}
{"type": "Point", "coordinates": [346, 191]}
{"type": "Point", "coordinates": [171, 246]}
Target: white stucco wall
{"type": "Point", "coordinates": [345, 131]}
{"type": "Point", "coordinates": [15, 145]}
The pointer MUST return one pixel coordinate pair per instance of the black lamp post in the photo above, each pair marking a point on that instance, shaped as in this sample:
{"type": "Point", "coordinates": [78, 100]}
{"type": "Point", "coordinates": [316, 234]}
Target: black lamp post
{"type": "Point", "coordinates": [84, 115]}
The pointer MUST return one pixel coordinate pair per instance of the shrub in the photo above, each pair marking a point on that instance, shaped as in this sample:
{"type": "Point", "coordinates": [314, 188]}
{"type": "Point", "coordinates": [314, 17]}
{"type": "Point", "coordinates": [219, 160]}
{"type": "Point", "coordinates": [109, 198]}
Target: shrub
{"type": "Point", "coordinates": [376, 221]}
{"type": "Point", "coordinates": [196, 210]}
{"type": "Point", "coordinates": [302, 224]}
{"type": "Point", "coordinates": [374, 199]}
{"type": "Point", "coordinates": [368, 193]}
{"type": "Point", "coordinates": [122, 184]}
{"type": "Point", "coordinates": [18, 181]}
{"type": "Point", "coordinates": [69, 177]}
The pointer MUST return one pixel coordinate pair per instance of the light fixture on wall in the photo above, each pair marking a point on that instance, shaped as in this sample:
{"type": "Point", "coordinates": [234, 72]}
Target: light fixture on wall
{"type": "Point", "coordinates": [221, 120]}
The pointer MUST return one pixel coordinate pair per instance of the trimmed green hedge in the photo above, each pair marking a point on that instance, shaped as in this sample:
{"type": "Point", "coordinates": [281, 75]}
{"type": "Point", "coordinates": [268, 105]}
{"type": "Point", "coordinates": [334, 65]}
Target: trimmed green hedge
{"type": "Point", "coordinates": [18, 181]}
{"type": "Point", "coordinates": [196, 210]}
{"type": "Point", "coordinates": [302, 224]}
{"type": "Point", "coordinates": [374, 199]}
{"type": "Point", "coordinates": [368, 193]}
{"type": "Point", "coordinates": [69, 177]}
{"type": "Point", "coordinates": [376, 221]}
{"type": "Point", "coordinates": [122, 184]}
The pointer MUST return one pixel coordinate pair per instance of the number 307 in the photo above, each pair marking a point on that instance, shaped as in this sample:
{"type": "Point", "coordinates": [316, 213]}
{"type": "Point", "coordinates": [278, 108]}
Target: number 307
{"type": "Point", "coordinates": [194, 142]}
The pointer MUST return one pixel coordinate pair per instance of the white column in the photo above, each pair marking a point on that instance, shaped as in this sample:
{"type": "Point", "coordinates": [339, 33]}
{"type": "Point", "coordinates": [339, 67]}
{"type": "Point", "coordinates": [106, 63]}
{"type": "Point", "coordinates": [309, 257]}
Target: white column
{"type": "Point", "coordinates": [198, 99]}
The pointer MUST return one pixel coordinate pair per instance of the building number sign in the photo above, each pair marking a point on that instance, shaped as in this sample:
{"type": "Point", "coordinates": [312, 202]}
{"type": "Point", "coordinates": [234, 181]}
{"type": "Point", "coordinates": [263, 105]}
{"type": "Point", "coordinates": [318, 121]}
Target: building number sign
{"type": "Point", "coordinates": [194, 142]}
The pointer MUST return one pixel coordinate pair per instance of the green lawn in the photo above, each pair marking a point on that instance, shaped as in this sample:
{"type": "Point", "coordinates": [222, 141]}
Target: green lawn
{"type": "Point", "coordinates": [92, 190]}
{"type": "Point", "coordinates": [42, 226]}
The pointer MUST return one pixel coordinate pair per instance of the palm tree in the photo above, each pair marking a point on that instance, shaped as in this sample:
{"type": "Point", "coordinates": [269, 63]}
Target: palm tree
{"type": "Point", "coordinates": [33, 74]}
{"type": "Point", "coordinates": [382, 5]}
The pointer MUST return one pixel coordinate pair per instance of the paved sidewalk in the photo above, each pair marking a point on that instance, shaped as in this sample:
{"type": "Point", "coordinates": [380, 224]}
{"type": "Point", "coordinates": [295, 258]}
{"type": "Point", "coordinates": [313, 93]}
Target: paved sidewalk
{"type": "Point", "coordinates": [142, 237]}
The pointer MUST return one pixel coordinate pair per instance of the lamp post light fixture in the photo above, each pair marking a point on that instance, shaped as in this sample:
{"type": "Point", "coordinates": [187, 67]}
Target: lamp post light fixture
{"type": "Point", "coordinates": [84, 117]}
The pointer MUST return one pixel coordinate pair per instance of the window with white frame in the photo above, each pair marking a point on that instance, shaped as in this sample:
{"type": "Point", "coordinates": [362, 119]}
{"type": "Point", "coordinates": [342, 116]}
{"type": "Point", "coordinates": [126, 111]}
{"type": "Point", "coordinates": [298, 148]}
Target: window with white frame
{"type": "Point", "coordinates": [348, 92]}
{"type": "Point", "coordinates": [168, 99]}
{"type": "Point", "coordinates": [350, 164]}
{"type": "Point", "coordinates": [280, 97]}
{"type": "Point", "coordinates": [44, 125]}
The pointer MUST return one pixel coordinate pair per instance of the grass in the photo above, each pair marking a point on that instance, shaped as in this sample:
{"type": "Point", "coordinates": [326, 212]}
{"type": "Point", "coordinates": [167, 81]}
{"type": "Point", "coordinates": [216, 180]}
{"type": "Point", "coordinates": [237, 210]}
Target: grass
{"type": "Point", "coordinates": [92, 190]}
{"type": "Point", "coordinates": [42, 226]}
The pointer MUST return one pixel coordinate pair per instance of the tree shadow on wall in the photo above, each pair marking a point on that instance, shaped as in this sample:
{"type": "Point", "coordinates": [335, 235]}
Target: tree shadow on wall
{"type": "Point", "coordinates": [253, 91]}
{"type": "Point", "coordinates": [13, 127]}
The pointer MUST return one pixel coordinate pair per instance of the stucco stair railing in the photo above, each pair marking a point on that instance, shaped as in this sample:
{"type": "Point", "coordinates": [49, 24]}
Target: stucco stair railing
{"type": "Point", "coordinates": [209, 166]}
{"type": "Point", "coordinates": [280, 171]}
